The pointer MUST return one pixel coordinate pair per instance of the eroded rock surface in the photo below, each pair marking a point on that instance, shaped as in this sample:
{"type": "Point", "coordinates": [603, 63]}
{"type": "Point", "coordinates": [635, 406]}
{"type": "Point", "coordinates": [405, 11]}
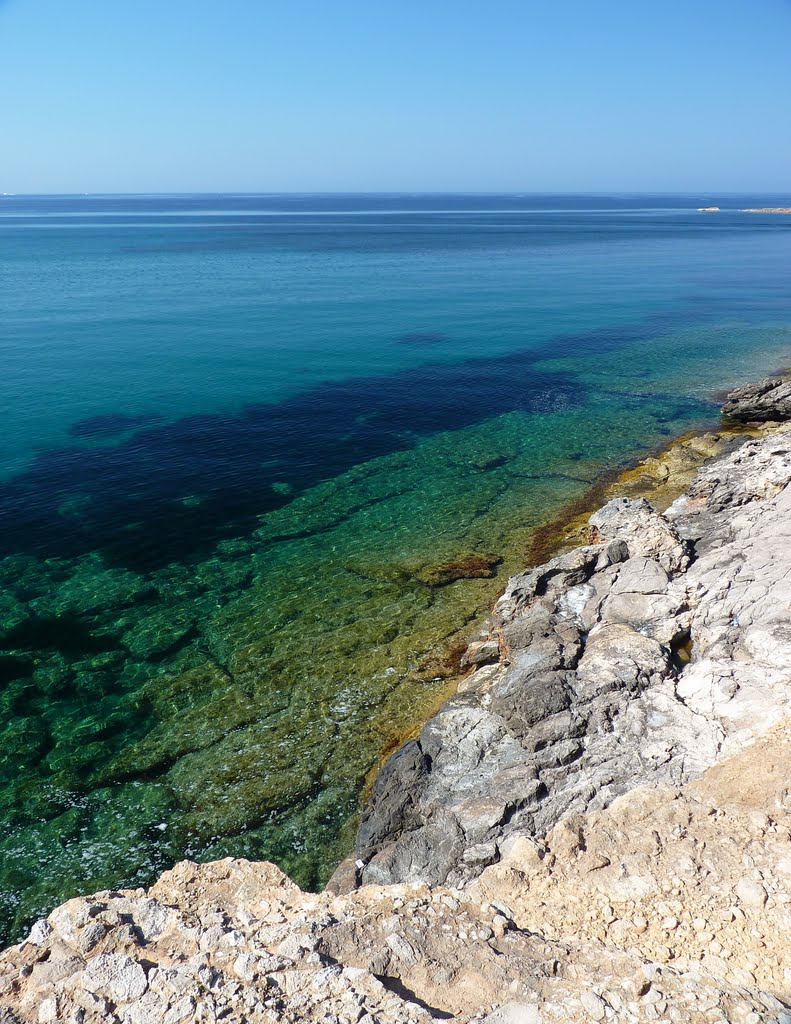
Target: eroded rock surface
{"type": "Point", "coordinates": [769, 399]}
{"type": "Point", "coordinates": [645, 656]}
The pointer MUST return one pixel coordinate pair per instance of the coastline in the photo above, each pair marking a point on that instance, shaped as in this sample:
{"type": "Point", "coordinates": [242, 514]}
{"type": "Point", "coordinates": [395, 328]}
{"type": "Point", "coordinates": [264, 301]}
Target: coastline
{"type": "Point", "coordinates": [566, 529]}
{"type": "Point", "coordinates": [239, 692]}
{"type": "Point", "coordinates": [553, 868]}
{"type": "Point", "coordinates": [540, 685]}
{"type": "Point", "coordinates": [217, 758]}
{"type": "Point", "coordinates": [659, 477]}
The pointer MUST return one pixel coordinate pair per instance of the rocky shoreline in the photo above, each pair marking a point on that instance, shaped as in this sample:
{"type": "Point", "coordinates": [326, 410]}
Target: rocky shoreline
{"type": "Point", "coordinates": [596, 827]}
{"type": "Point", "coordinates": [582, 686]}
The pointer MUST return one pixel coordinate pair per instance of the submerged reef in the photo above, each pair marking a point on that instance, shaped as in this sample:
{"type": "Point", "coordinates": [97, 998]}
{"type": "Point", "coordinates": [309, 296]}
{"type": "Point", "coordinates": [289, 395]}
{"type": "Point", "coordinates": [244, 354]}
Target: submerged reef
{"type": "Point", "coordinates": [595, 827]}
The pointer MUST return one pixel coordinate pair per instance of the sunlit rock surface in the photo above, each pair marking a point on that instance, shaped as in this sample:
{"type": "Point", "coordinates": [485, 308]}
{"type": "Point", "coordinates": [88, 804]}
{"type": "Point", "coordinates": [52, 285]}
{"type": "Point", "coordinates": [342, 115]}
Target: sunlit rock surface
{"type": "Point", "coordinates": [644, 656]}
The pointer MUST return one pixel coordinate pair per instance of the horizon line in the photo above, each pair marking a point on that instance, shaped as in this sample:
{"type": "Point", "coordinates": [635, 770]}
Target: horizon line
{"type": "Point", "coordinates": [405, 192]}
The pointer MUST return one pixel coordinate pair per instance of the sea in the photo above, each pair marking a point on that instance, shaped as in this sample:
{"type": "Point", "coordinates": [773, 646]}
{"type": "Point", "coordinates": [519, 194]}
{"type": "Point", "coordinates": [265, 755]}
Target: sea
{"type": "Point", "coordinates": [267, 460]}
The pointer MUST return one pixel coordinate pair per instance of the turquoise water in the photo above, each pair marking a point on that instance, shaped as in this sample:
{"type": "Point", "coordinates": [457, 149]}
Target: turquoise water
{"type": "Point", "coordinates": [267, 458]}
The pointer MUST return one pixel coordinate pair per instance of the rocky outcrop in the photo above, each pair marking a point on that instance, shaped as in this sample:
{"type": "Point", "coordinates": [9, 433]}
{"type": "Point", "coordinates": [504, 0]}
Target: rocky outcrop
{"type": "Point", "coordinates": [597, 827]}
{"type": "Point", "coordinates": [695, 877]}
{"type": "Point", "coordinates": [644, 656]}
{"type": "Point", "coordinates": [768, 400]}
{"type": "Point", "coordinates": [671, 905]}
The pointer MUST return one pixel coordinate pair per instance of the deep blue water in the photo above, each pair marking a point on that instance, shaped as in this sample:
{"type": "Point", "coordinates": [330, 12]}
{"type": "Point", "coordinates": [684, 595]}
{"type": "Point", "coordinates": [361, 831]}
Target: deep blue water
{"type": "Point", "coordinates": [234, 424]}
{"type": "Point", "coordinates": [162, 346]}
{"type": "Point", "coordinates": [168, 306]}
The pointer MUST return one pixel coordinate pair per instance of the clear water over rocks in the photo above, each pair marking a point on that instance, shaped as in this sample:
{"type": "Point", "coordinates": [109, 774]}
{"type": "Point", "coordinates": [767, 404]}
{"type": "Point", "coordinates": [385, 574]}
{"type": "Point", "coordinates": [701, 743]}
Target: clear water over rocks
{"type": "Point", "coordinates": [267, 459]}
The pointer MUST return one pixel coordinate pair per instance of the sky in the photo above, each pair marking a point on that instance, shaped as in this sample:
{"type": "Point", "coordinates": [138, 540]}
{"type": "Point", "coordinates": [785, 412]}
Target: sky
{"type": "Point", "coordinates": [395, 95]}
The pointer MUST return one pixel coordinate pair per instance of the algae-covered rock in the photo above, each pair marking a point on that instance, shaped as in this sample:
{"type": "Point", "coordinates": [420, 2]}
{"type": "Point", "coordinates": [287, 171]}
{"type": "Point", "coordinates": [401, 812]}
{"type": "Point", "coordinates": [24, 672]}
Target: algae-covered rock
{"type": "Point", "coordinates": [224, 574]}
{"type": "Point", "coordinates": [13, 613]}
{"type": "Point", "coordinates": [193, 729]}
{"type": "Point", "coordinates": [469, 565]}
{"type": "Point", "coordinates": [249, 773]}
{"type": "Point", "coordinates": [23, 741]}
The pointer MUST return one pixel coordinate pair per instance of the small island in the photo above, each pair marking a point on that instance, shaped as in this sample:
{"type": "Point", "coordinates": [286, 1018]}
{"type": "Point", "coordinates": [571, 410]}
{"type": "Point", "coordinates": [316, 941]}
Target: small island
{"type": "Point", "coordinates": [768, 209]}
{"type": "Point", "coordinates": [708, 209]}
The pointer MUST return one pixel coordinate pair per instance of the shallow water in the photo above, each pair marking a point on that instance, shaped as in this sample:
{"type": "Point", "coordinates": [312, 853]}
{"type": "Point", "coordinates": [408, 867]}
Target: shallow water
{"type": "Point", "coordinates": [267, 459]}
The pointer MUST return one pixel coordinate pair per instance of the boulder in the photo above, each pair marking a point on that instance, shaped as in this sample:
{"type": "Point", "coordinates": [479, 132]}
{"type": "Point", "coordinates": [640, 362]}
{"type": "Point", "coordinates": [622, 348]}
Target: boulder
{"type": "Point", "coordinates": [768, 400]}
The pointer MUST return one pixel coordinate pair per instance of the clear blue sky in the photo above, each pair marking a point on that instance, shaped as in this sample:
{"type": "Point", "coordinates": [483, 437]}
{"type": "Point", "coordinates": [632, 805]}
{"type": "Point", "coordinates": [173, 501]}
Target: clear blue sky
{"type": "Point", "coordinates": [390, 95]}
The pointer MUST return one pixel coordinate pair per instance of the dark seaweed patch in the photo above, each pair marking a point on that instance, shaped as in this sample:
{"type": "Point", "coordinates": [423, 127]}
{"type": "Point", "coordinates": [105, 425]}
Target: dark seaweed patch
{"type": "Point", "coordinates": [13, 667]}
{"type": "Point", "coordinates": [170, 490]}
{"type": "Point", "coordinates": [66, 633]}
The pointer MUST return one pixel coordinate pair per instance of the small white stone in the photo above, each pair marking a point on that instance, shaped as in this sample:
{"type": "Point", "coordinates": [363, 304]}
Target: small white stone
{"type": "Point", "coordinates": [118, 976]}
{"type": "Point", "coordinates": [592, 1005]}
{"type": "Point", "coordinates": [48, 1010]}
{"type": "Point", "coordinates": [184, 1009]}
{"type": "Point", "coordinates": [750, 893]}
{"type": "Point", "coordinates": [40, 931]}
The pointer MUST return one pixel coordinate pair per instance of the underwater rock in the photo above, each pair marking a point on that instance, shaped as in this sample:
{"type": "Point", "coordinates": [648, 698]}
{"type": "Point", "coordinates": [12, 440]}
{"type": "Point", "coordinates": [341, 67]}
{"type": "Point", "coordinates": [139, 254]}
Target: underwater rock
{"type": "Point", "coordinates": [93, 587]}
{"type": "Point", "coordinates": [161, 631]}
{"type": "Point", "coordinates": [468, 566]}
{"type": "Point", "coordinates": [12, 612]}
{"type": "Point", "coordinates": [215, 712]}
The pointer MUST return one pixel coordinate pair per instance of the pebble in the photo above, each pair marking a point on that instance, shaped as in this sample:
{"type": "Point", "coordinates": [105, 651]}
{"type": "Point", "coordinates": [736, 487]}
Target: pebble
{"type": "Point", "coordinates": [500, 908]}
{"type": "Point", "coordinates": [40, 931]}
{"type": "Point", "coordinates": [593, 1005]}
{"type": "Point", "coordinates": [750, 893]}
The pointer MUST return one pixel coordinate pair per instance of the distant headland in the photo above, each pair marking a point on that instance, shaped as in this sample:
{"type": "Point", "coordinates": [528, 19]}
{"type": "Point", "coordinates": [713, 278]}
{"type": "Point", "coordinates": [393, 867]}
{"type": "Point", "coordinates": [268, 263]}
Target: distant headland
{"type": "Point", "coordinates": [762, 209]}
